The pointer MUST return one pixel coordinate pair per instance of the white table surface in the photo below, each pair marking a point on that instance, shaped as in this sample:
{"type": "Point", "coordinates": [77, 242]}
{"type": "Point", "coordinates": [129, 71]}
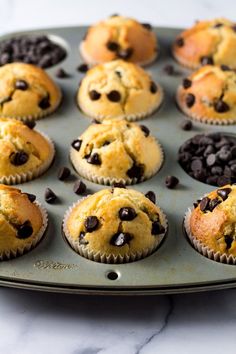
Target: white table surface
{"type": "Point", "coordinates": [41, 323]}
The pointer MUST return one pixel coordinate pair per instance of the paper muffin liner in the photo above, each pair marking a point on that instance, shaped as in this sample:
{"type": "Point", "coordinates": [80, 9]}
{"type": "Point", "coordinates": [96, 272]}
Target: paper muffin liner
{"type": "Point", "coordinates": [201, 248]}
{"type": "Point", "coordinates": [90, 61]}
{"type": "Point", "coordinates": [9, 254]}
{"type": "Point", "coordinates": [202, 119]}
{"type": "Point", "coordinates": [112, 258]}
{"type": "Point", "coordinates": [34, 117]}
{"type": "Point", "coordinates": [108, 181]}
{"type": "Point", "coordinates": [30, 175]}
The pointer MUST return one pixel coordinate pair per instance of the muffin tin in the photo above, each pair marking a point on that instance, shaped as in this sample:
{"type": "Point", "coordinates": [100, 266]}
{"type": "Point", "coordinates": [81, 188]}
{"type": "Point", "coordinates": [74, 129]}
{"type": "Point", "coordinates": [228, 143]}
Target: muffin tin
{"type": "Point", "coordinates": [175, 267]}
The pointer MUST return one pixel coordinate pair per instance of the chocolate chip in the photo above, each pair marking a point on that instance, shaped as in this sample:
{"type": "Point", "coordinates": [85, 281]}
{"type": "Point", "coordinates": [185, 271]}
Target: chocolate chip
{"type": "Point", "coordinates": [94, 95]}
{"type": "Point", "coordinates": [114, 15]}
{"type": "Point", "coordinates": [213, 203]}
{"type": "Point", "coordinates": [127, 214]}
{"type": "Point", "coordinates": [21, 85]}
{"type": "Point", "coordinates": [157, 228]}
{"type": "Point", "coordinates": [225, 68]}
{"type": "Point", "coordinates": [147, 26]}
{"type": "Point", "coordinates": [204, 203]}
{"type": "Point", "coordinates": [206, 60]}
{"type": "Point", "coordinates": [119, 185]}
{"type": "Point", "coordinates": [49, 196]}
{"type": "Point", "coordinates": [79, 187]}
{"type": "Point", "coordinates": [225, 155]}
{"type": "Point", "coordinates": [25, 230]}
{"type": "Point", "coordinates": [171, 182]}
{"type": "Point", "coordinates": [224, 192]}
{"type": "Point", "coordinates": [179, 42]}
{"type": "Point", "coordinates": [125, 53]}
{"type": "Point", "coordinates": [228, 241]}
{"type": "Point", "coordinates": [91, 223]}
{"type": "Point", "coordinates": [196, 165]}
{"type": "Point", "coordinates": [62, 74]}
{"type": "Point", "coordinates": [76, 144]}
{"type": "Point", "coordinates": [218, 25]}
{"type": "Point", "coordinates": [187, 83]}
{"type": "Point", "coordinates": [82, 240]}
{"type": "Point", "coordinates": [94, 159]}
{"type": "Point", "coordinates": [190, 100]}
{"type": "Point", "coordinates": [19, 158]}
{"type": "Point", "coordinates": [31, 197]}
{"type": "Point", "coordinates": [112, 46]}
{"type": "Point", "coordinates": [95, 121]}
{"type": "Point", "coordinates": [211, 160]}
{"type": "Point", "coordinates": [145, 130]}
{"type": "Point", "coordinates": [63, 173]}
{"type": "Point", "coordinates": [153, 87]}
{"type": "Point", "coordinates": [221, 106]}
{"type": "Point", "coordinates": [83, 68]}
{"type": "Point", "coordinates": [169, 69]}
{"type": "Point", "coordinates": [114, 96]}
{"type": "Point", "coordinates": [106, 142]}
{"type": "Point", "coordinates": [223, 180]}
{"type": "Point", "coordinates": [234, 28]}
{"type": "Point", "coordinates": [120, 239]}
{"type": "Point", "coordinates": [136, 171]}
{"type": "Point", "coordinates": [30, 124]}
{"type": "Point", "coordinates": [44, 103]}
{"type": "Point", "coordinates": [151, 196]}
{"type": "Point", "coordinates": [217, 170]}
{"type": "Point", "coordinates": [186, 124]}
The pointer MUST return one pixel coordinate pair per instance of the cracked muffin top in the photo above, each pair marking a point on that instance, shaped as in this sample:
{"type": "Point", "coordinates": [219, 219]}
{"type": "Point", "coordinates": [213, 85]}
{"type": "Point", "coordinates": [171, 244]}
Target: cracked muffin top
{"type": "Point", "coordinates": [27, 92]}
{"type": "Point", "coordinates": [23, 150]}
{"type": "Point", "coordinates": [116, 151]}
{"type": "Point", "coordinates": [118, 90]}
{"type": "Point", "coordinates": [119, 37]}
{"type": "Point", "coordinates": [116, 221]}
{"type": "Point", "coordinates": [20, 219]}
{"type": "Point", "coordinates": [207, 42]}
{"type": "Point", "coordinates": [213, 220]}
{"type": "Point", "coordinates": [209, 95]}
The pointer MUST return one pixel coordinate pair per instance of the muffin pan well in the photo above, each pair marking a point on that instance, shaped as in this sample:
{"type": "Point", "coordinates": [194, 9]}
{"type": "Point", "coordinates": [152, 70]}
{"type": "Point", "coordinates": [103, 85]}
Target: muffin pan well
{"type": "Point", "coordinates": [175, 267]}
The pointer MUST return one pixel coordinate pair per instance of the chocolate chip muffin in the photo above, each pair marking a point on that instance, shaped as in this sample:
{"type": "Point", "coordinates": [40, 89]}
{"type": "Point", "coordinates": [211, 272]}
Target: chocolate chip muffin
{"type": "Point", "coordinates": [119, 37]}
{"type": "Point", "coordinates": [211, 224]}
{"type": "Point", "coordinates": [27, 92]}
{"type": "Point", "coordinates": [118, 90]}
{"type": "Point", "coordinates": [207, 42]}
{"type": "Point", "coordinates": [209, 95]}
{"type": "Point", "coordinates": [22, 222]}
{"type": "Point", "coordinates": [25, 153]}
{"type": "Point", "coordinates": [116, 151]}
{"type": "Point", "coordinates": [115, 226]}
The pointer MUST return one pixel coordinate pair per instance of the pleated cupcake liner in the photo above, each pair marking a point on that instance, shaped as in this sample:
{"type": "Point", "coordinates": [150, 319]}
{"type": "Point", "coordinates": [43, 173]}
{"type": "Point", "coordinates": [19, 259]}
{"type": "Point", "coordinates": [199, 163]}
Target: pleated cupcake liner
{"type": "Point", "coordinates": [30, 175]}
{"type": "Point", "coordinates": [109, 181]}
{"type": "Point", "coordinates": [19, 251]}
{"type": "Point", "coordinates": [203, 119]}
{"type": "Point", "coordinates": [201, 248]}
{"type": "Point", "coordinates": [102, 257]}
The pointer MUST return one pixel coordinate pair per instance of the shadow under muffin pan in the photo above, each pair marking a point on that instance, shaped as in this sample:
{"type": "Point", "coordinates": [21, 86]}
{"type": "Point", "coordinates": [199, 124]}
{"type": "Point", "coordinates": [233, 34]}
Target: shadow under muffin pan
{"type": "Point", "coordinates": [175, 267]}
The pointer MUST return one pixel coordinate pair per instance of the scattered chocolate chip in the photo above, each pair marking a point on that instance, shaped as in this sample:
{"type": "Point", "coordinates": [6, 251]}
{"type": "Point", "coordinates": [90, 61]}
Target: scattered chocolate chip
{"type": "Point", "coordinates": [225, 68]}
{"type": "Point", "coordinates": [145, 130]}
{"type": "Point", "coordinates": [171, 182]}
{"type": "Point", "coordinates": [187, 83]}
{"type": "Point", "coordinates": [151, 196]}
{"type": "Point", "coordinates": [206, 60]}
{"type": "Point", "coordinates": [147, 26]}
{"type": "Point", "coordinates": [186, 124]}
{"type": "Point", "coordinates": [179, 42]}
{"type": "Point", "coordinates": [79, 187]}
{"type": "Point", "coordinates": [63, 173]}
{"type": "Point", "coordinates": [95, 121]}
{"type": "Point", "coordinates": [211, 159]}
{"type": "Point", "coordinates": [196, 165]}
{"type": "Point", "coordinates": [82, 240]}
{"type": "Point", "coordinates": [190, 100]}
{"type": "Point", "coordinates": [218, 25]}
{"type": "Point", "coordinates": [153, 87]}
{"type": "Point", "coordinates": [31, 197]}
{"type": "Point", "coordinates": [19, 158]}
{"type": "Point", "coordinates": [21, 85]}
{"type": "Point", "coordinates": [114, 15]}
{"type": "Point", "coordinates": [112, 46]}
{"type": "Point", "coordinates": [127, 214]}
{"type": "Point", "coordinates": [44, 103]}
{"type": "Point", "coordinates": [213, 203]}
{"type": "Point", "coordinates": [157, 228]}
{"type": "Point", "coordinates": [223, 180]}
{"type": "Point", "coordinates": [106, 142]}
{"type": "Point", "coordinates": [62, 74]}
{"type": "Point", "coordinates": [114, 96]}
{"type": "Point", "coordinates": [30, 124]}
{"type": "Point", "coordinates": [83, 68]}
{"type": "Point", "coordinates": [94, 95]}
{"type": "Point", "coordinates": [234, 28]}
{"type": "Point", "coordinates": [204, 203]}
{"type": "Point", "coordinates": [228, 241]}
{"type": "Point", "coordinates": [49, 196]}
{"type": "Point", "coordinates": [25, 230]}
{"type": "Point", "coordinates": [125, 53]}
{"type": "Point", "coordinates": [136, 171]}
{"type": "Point", "coordinates": [169, 69]}
{"type": "Point", "coordinates": [221, 106]}
{"type": "Point", "coordinates": [120, 239]}
{"type": "Point", "coordinates": [94, 159]}
{"type": "Point", "coordinates": [119, 185]}
{"type": "Point", "coordinates": [76, 144]}
{"type": "Point", "coordinates": [91, 223]}
{"type": "Point", "coordinates": [224, 193]}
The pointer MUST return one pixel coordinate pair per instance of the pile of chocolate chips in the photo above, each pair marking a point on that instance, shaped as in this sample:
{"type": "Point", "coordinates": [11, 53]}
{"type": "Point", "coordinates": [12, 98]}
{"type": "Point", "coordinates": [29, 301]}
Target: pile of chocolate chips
{"type": "Point", "coordinates": [210, 158]}
{"type": "Point", "coordinates": [38, 50]}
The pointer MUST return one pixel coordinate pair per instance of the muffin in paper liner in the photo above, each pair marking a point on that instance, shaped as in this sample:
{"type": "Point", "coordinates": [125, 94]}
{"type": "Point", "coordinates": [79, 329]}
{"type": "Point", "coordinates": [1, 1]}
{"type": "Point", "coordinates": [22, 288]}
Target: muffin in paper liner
{"type": "Point", "coordinates": [129, 92]}
{"type": "Point", "coordinates": [111, 258]}
{"type": "Point", "coordinates": [18, 139]}
{"type": "Point", "coordinates": [10, 254]}
{"type": "Point", "coordinates": [201, 248]}
{"type": "Point", "coordinates": [133, 140]}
